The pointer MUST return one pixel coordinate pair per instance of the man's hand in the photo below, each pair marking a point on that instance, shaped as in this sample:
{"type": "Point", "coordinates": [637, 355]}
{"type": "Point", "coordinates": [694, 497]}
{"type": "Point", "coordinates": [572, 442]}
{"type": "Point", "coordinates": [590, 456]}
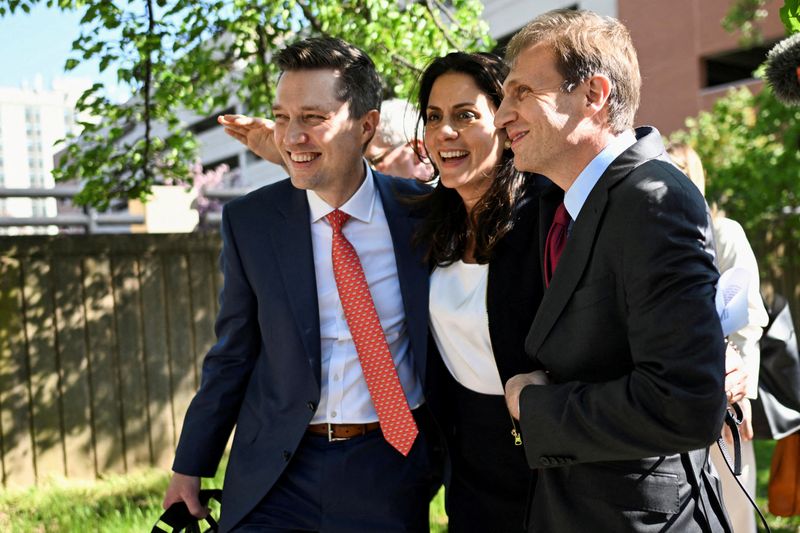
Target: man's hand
{"type": "Point", "coordinates": [186, 489]}
{"type": "Point", "coordinates": [255, 133]}
{"type": "Point", "coordinates": [745, 428]}
{"type": "Point", "coordinates": [735, 375]}
{"type": "Point", "coordinates": [515, 385]}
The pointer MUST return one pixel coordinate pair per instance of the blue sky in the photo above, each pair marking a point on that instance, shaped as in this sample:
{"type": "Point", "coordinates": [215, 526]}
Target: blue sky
{"type": "Point", "coordinates": [40, 43]}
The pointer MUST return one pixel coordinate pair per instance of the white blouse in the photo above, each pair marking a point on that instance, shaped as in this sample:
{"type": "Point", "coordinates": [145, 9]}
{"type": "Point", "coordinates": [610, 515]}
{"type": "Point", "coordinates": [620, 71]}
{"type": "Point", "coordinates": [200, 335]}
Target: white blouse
{"type": "Point", "coordinates": [460, 325]}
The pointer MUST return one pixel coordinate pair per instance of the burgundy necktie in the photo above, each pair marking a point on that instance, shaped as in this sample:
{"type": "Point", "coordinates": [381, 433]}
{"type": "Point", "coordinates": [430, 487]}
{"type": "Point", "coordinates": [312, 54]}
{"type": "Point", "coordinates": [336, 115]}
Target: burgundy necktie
{"type": "Point", "coordinates": [397, 422]}
{"type": "Point", "coordinates": [556, 240]}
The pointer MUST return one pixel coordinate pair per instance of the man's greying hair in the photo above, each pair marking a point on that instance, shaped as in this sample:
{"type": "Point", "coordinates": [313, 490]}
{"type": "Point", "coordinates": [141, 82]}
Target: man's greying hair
{"type": "Point", "coordinates": [398, 122]}
{"type": "Point", "coordinates": [586, 44]}
{"type": "Point", "coordinates": [359, 84]}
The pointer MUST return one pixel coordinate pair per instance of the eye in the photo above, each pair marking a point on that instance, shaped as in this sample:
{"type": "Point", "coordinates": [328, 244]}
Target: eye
{"type": "Point", "coordinates": [467, 115]}
{"type": "Point", "coordinates": [280, 117]}
{"type": "Point", "coordinates": [433, 116]}
{"type": "Point", "coordinates": [522, 91]}
{"type": "Point", "coordinates": [313, 118]}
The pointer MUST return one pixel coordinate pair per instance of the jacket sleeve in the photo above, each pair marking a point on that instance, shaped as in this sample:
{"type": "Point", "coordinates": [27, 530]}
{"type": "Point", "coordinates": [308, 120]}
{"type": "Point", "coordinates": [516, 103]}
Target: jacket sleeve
{"type": "Point", "coordinates": [668, 397]}
{"type": "Point", "coordinates": [226, 368]}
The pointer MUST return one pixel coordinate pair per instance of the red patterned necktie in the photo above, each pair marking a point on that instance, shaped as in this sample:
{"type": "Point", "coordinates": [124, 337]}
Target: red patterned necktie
{"type": "Point", "coordinates": [556, 240]}
{"type": "Point", "coordinates": [397, 423]}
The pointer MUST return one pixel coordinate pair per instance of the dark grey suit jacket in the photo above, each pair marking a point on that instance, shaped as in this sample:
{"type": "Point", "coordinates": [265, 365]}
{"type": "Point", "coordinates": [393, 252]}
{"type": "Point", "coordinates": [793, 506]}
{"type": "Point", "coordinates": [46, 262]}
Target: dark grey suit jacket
{"type": "Point", "coordinates": [263, 374]}
{"type": "Point", "coordinates": [630, 337]}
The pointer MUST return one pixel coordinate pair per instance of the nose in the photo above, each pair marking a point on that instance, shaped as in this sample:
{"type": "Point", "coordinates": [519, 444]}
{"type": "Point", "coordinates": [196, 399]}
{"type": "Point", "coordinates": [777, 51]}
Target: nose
{"type": "Point", "coordinates": [295, 133]}
{"type": "Point", "coordinates": [504, 115]}
{"type": "Point", "coordinates": [447, 131]}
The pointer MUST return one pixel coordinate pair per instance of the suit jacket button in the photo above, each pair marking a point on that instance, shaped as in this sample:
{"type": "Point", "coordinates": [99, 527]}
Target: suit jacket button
{"type": "Point", "coordinates": [545, 461]}
{"type": "Point", "coordinates": [287, 455]}
{"type": "Point", "coordinates": [312, 406]}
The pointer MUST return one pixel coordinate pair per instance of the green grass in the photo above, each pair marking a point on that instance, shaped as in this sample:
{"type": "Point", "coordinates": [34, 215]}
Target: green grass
{"type": "Point", "coordinates": [123, 504]}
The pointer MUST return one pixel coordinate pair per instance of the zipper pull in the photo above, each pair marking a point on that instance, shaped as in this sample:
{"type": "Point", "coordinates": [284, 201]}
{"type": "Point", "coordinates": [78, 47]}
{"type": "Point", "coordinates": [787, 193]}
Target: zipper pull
{"type": "Point", "coordinates": [517, 437]}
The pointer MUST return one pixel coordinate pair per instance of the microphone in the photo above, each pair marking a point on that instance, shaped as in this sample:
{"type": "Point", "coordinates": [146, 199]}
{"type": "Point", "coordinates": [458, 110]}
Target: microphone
{"type": "Point", "coordinates": [783, 70]}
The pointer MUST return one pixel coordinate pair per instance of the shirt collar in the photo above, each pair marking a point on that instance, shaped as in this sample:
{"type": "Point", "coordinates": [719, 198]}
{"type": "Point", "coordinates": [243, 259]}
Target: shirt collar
{"type": "Point", "coordinates": [577, 194]}
{"type": "Point", "coordinates": [359, 206]}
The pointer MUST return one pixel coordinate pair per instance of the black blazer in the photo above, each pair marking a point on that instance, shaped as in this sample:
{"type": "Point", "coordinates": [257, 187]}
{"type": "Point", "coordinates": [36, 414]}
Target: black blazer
{"type": "Point", "coordinates": [263, 374]}
{"type": "Point", "coordinates": [630, 338]}
{"type": "Point", "coordinates": [514, 290]}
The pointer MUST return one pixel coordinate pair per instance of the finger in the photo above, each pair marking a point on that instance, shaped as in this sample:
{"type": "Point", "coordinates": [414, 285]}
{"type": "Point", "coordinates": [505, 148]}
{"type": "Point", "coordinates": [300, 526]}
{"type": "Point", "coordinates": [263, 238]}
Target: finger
{"type": "Point", "coordinates": [241, 120]}
{"type": "Point", "coordinates": [236, 135]}
{"type": "Point", "coordinates": [193, 504]}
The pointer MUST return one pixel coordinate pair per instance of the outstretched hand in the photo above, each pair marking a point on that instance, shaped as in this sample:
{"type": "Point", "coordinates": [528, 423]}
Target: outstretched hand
{"type": "Point", "coordinates": [258, 134]}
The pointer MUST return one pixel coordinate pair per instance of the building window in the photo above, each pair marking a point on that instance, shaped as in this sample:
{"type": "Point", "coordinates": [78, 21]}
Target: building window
{"type": "Point", "coordinates": [734, 66]}
{"type": "Point", "coordinates": [39, 207]}
{"type": "Point", "coordinates": [210, 122]}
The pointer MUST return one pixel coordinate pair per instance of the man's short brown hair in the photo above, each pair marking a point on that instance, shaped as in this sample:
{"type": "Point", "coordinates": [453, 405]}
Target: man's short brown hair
{"type": "Point", "coordinates": [587, 44]}
{"type": "Point", "coordinates": [359, 84]}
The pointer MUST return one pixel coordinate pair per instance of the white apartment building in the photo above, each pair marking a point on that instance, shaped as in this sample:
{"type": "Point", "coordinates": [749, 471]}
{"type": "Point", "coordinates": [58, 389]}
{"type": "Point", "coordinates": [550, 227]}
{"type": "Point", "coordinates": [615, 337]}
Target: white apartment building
{"type": "Point", "coordinates": [32, 119]}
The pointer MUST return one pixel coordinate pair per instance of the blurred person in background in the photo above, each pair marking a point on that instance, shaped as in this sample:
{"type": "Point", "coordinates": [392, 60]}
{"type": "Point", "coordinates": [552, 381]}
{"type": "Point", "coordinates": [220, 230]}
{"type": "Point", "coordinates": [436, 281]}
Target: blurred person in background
{"type": "Point", "coordinates": [734, 250]}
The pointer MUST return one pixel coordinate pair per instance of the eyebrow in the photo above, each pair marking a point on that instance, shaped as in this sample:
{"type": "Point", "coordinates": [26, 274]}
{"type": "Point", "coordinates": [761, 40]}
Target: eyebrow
{"type": "Point", "coordinates": [462, 104]}
{"type": "Point", "coordinates": [278, 107]}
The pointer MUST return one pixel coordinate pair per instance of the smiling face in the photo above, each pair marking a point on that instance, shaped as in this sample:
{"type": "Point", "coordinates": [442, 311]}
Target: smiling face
{"type": "Point", "coordinates": [539, 117]}
{"type": "Point", "coordinates": [320, 143]}
{"type": "Point", "coordinates": [460, 136]}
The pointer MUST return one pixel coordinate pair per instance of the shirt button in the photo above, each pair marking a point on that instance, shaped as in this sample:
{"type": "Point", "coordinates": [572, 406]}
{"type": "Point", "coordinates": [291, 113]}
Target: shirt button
{"type": "Point", "coordinates": [336, 377]}
{"type": "Point", "coordinates": [333, 414]}
{"type": "Point", "coordinates": [312, 406]}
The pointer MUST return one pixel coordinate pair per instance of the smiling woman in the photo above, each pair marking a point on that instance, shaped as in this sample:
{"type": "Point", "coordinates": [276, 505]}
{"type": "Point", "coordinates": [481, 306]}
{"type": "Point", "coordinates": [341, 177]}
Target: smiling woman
{"type": "Point", "coordinates": [480, 235]}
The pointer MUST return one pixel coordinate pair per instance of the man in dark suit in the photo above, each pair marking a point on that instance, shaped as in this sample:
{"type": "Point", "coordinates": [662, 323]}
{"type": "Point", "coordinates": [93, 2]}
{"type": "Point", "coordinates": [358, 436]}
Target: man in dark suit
{"type": "Point", "coordinates": [632, 388]}
{"type": "Point", "coordinates": [322, 327]}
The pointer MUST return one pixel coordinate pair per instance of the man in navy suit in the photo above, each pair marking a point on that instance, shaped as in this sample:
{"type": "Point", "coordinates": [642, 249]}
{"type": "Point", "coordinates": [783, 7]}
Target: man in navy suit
{"type": "Point", "coordinates": [310, 451]}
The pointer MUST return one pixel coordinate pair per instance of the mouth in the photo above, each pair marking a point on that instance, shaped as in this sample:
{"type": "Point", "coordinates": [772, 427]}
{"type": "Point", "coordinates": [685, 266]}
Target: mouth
{"type": "Point", "coordinates": [515, 138]}
{"type": "Point", "coordinates": [303, 157]}
{"type": "Point", "coordinates": [453, 156]}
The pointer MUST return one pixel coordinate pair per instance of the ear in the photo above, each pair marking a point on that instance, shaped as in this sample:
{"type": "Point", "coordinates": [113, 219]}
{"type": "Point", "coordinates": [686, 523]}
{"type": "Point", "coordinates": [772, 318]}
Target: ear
{"type": "Point", "coordinates": [419, 147]}
{"type": "Point", "coordinates": [598, 89]}
{"type": "Point", "coordinates": [369, 125]}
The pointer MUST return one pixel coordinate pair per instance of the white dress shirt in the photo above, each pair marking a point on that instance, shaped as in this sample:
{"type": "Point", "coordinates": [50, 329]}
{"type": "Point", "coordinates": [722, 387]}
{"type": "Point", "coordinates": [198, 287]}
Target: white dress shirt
{"type": "Point", "coordinates": [344, 397]}
{"type": "Point", "coordinates": [460, 325]}
{"type": "Point", "coordinates": [579, 191]}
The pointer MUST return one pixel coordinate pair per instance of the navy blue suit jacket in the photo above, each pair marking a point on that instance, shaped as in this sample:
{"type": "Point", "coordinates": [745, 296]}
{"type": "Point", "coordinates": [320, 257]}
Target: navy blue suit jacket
{"type": "Point", "coordinates": [263, 374]}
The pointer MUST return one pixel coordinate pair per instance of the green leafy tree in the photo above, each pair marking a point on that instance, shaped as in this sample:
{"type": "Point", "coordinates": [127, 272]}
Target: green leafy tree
{"type": "Point", "coordinates": [750, 148]}
{"type": "Point", "coordinates": [197, 54]}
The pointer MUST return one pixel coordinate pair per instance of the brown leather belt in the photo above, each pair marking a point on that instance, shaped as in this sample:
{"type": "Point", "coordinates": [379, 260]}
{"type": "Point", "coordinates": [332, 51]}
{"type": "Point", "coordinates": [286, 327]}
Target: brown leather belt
{"type": "Point", "coordinates": [342, 431]}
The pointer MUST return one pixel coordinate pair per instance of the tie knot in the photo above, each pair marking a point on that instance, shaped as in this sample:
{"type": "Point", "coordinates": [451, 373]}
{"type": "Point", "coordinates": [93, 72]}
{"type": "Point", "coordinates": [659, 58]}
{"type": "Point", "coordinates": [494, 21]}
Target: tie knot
{"type": "Point", "coordinates": [337, 219]}
{"type": "Point", "coordinates": [562, 215]}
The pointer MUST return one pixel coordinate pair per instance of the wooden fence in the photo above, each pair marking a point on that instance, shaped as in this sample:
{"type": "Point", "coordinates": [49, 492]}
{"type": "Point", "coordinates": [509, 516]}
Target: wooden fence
{"type": "Point", "coordinates": [101, 339]}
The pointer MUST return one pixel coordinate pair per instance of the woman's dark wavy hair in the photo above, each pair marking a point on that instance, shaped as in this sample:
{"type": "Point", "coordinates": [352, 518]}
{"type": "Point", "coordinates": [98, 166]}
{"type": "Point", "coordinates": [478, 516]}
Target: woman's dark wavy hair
{"type": "Point", "coordinates": [447, 225]}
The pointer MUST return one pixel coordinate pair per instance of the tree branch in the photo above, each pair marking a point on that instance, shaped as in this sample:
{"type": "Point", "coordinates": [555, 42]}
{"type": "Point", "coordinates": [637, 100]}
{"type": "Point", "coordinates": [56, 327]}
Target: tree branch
{"type": "Point", "coordinates": [445, 33]}
{"type": "Point", "coordinates": [148, 75]}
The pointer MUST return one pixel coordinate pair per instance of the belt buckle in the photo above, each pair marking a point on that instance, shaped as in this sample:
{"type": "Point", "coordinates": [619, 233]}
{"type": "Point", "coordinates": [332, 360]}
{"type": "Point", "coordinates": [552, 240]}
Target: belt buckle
{"type": "Point", "coordinates": [331, 438]}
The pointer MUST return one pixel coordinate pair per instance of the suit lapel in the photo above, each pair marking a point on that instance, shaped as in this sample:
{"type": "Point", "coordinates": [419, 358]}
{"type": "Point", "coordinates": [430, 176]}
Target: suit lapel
{"type": "Point", "coordinates": [571, 266]}
{"type": "Point", "coordinates": [411, 271]}
{"type": "Point", "coordinates": [576, 255]}
{"type": "Point", "coordinates": [291, 235]}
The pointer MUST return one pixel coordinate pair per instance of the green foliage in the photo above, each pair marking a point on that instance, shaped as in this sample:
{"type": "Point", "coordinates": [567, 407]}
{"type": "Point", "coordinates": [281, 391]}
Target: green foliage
{"type": "Point", "coordinates": [743, 16]}
{"type": "Point", "coordinates": [790, 15]}
{"type": "Point", "coordinates": [750, 148]}
{"type": "Point", "coordinates": [197, 54]}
